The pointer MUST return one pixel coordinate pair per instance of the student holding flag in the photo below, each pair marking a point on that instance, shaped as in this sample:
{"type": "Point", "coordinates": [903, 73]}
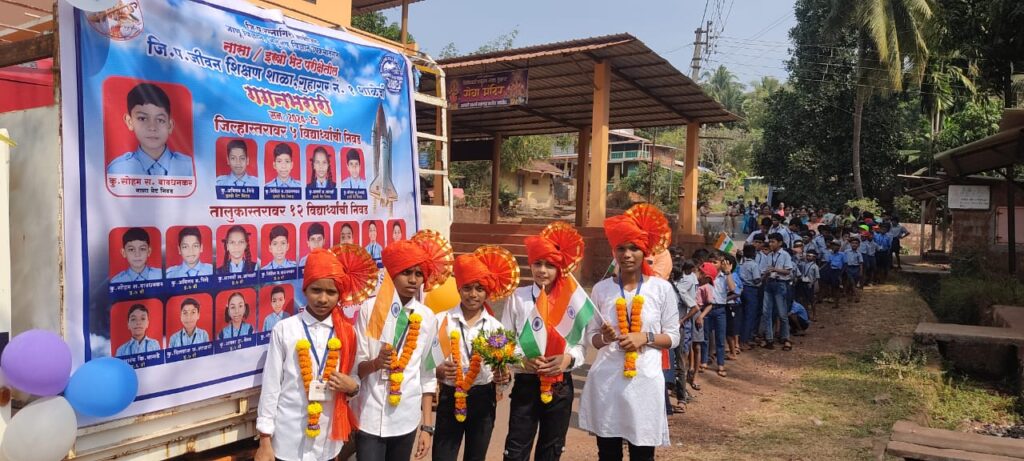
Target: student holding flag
{"type": "Point", "coordinates": [549, 317]}
{"type": "Point", "coordinates": [395, 337]}
{"type": "Point", "coordinates": [624, 396]}
{"type": "Point", "coordinates": [466, 405]}
{"type": "Point", "coordinates": [303, 411]}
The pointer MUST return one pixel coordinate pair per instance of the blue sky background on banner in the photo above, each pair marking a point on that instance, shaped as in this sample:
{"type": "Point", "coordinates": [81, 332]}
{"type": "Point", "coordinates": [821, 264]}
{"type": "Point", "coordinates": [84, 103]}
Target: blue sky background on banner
{"type": "Point", "coordinates": [188, 25]}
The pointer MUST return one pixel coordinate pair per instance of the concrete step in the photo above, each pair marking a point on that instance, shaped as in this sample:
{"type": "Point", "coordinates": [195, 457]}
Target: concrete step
{"type": "Point", "coordinates": [1008, 317]}
{"type": "Point", "coordinates": [971, 334]}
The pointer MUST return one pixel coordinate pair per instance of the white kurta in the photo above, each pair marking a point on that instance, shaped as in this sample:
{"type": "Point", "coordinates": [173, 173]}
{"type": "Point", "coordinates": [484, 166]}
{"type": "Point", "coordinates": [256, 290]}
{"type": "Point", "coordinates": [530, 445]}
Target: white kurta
{"type": "Point", "coordinates": [611, 404]}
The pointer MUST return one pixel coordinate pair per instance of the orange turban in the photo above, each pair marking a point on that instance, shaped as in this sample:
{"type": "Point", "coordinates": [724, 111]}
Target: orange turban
{"type": "Point", "coordinates": [322, 264]}
{"type": "Point", "coordinates": [559, 244]}
{"type": "Point", "coordinates": [427, 249]}
{"type": "Point", "coordinates": [403, 254]}
{"type": "Point", "coordinates": [469, 268]}
{"type": "Point", "coordinates": [642, 225]}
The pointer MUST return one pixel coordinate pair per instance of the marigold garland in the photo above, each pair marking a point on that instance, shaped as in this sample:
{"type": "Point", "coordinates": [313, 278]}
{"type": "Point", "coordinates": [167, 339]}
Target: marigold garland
{"type": "Point", "coordinates": [399, 362]}
{"type": "Point", "coordinates": [463, 382]}
{"type": "Point", "coordinates": [631, 325]}
{"type": "Point", "coordinates": [546, 382]}
{"type": "Point", "coordinates": [314, 409]}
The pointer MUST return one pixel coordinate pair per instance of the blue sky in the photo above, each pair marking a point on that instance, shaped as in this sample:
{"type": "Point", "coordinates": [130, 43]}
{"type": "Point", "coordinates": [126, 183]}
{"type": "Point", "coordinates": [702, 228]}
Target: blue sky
{"type": "Point", "coordinates": [753, 43]}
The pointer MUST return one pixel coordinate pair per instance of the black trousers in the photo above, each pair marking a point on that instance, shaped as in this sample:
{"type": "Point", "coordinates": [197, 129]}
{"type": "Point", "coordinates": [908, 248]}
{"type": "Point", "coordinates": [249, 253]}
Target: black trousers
{"type": "Point", "coordinates": [374, 448]}
{"type": "Point", "coordinates": [527, 413]}
{"type": "Point", "coordinates": [610, 449]}
{"type": "Point", "coordinates": [477, 428]}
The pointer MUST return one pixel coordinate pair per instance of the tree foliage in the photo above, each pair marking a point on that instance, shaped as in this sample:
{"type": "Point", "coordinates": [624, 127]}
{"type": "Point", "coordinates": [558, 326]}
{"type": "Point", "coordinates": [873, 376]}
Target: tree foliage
{"type": "Point", "coordinates": [665, 190]}
{"type": "Point", "coordinates": [377, 24]}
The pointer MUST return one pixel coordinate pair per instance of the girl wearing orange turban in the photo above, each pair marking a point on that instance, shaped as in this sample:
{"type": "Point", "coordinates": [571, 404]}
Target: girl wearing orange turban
{"type": "Point", "coordinates": [624, 396]}
{"type": "Point", "coordinates": [309, 363]}
{"type": "Point", "coordinates": [466, 405]}
{"type": "Point", "coordinates": [397, 392]}
{"type": "Point", "coordinates": [552, 255]}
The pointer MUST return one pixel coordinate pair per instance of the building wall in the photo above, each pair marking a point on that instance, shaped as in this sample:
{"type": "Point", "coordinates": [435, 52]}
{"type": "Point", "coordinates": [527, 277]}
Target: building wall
{"type": "Point", "coordinates": [974, 231]}
{"type": "Point", "coordinates": [320, 12]}
{"type": "Point", "coordinates": [534, 196]}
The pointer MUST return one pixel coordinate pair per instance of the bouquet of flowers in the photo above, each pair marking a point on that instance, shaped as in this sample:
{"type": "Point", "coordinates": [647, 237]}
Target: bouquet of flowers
{"type": "Point", "coordinates": [497, 348]}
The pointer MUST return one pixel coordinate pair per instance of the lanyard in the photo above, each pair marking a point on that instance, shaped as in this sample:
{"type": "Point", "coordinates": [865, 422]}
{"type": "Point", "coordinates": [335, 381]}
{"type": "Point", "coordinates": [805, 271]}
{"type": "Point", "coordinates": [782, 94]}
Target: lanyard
{"type": "Point", "coordinates": [622, 291]}
{"type": "Point", "coordinates": [236, 333]}
{"type": "Point", "coordinates": [465, 345]}
{"type": "Point", "coordinates": [192, 339]}
{"type": "Point", "coordinates": [137, 344]}
{"type": "Point", "coordinates": [319, 364]}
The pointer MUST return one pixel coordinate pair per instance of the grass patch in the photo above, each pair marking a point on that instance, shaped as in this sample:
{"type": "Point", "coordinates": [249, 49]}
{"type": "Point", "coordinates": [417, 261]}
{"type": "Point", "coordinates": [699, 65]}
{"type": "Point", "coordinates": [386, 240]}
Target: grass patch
{"type": "Point", "coordinates": [960, 298]}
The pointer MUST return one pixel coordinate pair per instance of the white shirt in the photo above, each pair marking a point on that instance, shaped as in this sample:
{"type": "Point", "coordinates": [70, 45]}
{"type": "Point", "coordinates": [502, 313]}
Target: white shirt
{"type": "Point", "coordinates": [283, 400]}
{"type": "Point", "coordinates": [517, 311]}
{"type": "Point", "coordinates": [376, 415]}
{"type": "Point", "coordinates": [632, 408]}
{"type": "Point", "coordinates": [485, 322]}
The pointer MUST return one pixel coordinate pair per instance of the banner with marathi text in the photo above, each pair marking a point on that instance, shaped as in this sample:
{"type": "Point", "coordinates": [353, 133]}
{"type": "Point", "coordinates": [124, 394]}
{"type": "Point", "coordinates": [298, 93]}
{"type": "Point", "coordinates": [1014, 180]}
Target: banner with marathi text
{"type": "Point", "coordinates": [207, 148]}
{"type": "Point", "coordinates": [495, 89]}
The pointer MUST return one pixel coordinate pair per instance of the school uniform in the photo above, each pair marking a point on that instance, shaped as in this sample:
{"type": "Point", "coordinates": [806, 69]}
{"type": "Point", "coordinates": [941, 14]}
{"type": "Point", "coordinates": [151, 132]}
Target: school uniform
{"type": "Point", "coordinates": [527, 412]}
{"type": "Point", "coordinates": [734, 308]}
{"type": "Point", "coordinates": [776, 294]}
{"type": "Point", "coordinates": [139, 163]}
{"type": "Point", "coordinates": [288, 183]}
{"type": "Point", "coordinates": [184, 270]}
{"type": "Point", "coordinates": [374, 249]}
{"type": "Point", "coordinates": [181, 339]}
{"type": "Point", "coordinates": [716, 319]}
{"type": "Point", "coordinates": [230, 180]}
{"type": "Point", "coordinates": [481, 399]}
{"type": "Point", "coordinates": [353, 183]}
{"type": "Point", "coordinates": [386, 431]}
{"type": "Point", "coordinates": [272, 319]}
{"type": "Point", "coordinates": [868, 251]}
{"type": "Point", "coordinates": [833, 268]}
{"type": "Point", "coordinates": [750, 275]}
{"type": "Point", "coordinates": [229, 331]}
{"type": "Point", "coordinates": [129, 276]}
{"type": "Point", "coordinates": [318, 184]}
{"type": "Point", "coordinates": [853, 266]}
{"type": "Point", "coordinates": [703, 300]}
{"type": "Point", "coordinates": [613, 407]}
{"type": "Point", "coordinates": [133, 347]}
{"type": "Point", "coordinates": [798, 317]}
{"type": "Point", "coordinates": [287, 264]}
{"type": "Point", "coordinates": [884, 243]}
{"type": "Point", "coordinates": [243, 267]}
{"type": "Point", "coordinates": [283, 398]}
{"type": "Point", "coordinates": [809, 275]}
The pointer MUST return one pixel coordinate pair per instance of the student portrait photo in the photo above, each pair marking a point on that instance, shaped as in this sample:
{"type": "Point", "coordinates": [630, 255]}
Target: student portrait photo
{"type": "Point", "coordinates": [237, 242]}
{"type": "Point", "coordinates": [236, 169]}
{"type": "Point", "coordinates": [396, 230]}
{"type": "Point", "coordinates": [315, 234]}
{"type": "Point", "coordinates": [193, 254]}
{"type": "Point", "coordinates": [373, 230]}
{"type": "Point", "coordinates": [134, 259]}
{"type": "Point", "coordinates": [148, 115]}
{"type": "Point", "coordinates": [321, 170]}
{"type": "Point", "coordinates": [135, 327]}
{"type": "Point", "coordinates": [280, 157]}
{"type": "Point", "coordinates": [346, 232]}
{"type": "Point", "coordinates": [354, 172]}
{"type": "Point", "coordinates": [189, 320]}
{"type": "Point", "coordinates": [279, 251]}
{"type": "Point", "coordinates": [235, 310]}
{"type": "Point", "coordinates": [276, 304]}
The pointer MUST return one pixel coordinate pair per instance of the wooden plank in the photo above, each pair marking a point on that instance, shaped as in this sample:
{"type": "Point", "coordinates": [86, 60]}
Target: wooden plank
{"type": "Point", "coordinates": [969, 333]}
{"type": "Point", "coordinates": [922, 453]}
{"type": "Point", "coordinates": [428, 99]}
{"type": "Point", "coordinates": [22, 51]}
{"type": "Point", "coordinates": [906, 431]}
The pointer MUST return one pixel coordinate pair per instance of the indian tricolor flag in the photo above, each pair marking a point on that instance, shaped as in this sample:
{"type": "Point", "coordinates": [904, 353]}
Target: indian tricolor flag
{"type": "Point", "coordinates": [538, 338]}
{"type": "Point", "coordinates": [570, 310]}
{"type": "Point", "coordinates": [388, 320]}
{"type": "Point", "coordinates": [441, 348]}
{"type": "Point", "coordinates": [724, 243]}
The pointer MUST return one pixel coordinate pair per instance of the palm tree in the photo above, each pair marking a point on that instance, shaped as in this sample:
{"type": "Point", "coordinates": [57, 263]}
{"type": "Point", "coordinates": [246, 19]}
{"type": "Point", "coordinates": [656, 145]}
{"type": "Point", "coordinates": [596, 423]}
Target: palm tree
{"type": "Point", "coordinates": [723, 87]}
{"type": "Point", "coordinates": [891, 48]}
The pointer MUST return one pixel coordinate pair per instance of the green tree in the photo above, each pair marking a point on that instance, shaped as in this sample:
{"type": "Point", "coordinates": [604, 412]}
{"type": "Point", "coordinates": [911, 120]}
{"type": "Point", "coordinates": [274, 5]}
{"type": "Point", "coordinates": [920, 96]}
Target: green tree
{"type": "Point", "coordinates": [377, 24]}
{"type": "Point", "coordinates": [722, 86]}
{"type": "Point", "coordinates": [663, 190]}
{"type": "Point", "coordinates": [890, 37]}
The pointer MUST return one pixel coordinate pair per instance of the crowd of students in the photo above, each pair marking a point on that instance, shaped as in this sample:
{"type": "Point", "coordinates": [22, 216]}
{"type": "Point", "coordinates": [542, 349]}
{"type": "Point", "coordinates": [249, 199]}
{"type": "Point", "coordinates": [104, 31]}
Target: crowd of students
{"type": "Point", "coordinates": [769, 290]}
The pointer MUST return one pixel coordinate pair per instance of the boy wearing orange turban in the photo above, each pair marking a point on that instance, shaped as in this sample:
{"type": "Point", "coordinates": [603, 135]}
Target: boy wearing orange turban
{"type": "Point", "coordinates": [466, 405]}
{"type": "Point", "coordinates": [624, 396]}
{"type": "Point", "coordinates": [397, 390]}
{"type": "Point", "coordinates": [306, 382]}
{"type": "Point", "coordinates": [553, 255]}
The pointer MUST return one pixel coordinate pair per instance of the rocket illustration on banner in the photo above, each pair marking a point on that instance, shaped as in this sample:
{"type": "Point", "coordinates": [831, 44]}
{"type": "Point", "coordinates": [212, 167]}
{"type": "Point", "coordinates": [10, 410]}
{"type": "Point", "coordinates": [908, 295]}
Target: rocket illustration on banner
{"type": "Point", "coordinates": [382, 189]}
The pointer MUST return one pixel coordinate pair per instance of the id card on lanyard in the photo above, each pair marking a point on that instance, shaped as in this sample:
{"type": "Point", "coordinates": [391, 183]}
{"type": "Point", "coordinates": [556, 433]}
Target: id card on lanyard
{"type": "Point", "coordinates": [317, 387]}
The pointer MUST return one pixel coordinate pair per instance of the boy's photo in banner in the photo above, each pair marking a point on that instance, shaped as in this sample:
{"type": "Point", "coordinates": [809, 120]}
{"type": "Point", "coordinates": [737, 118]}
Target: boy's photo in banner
{"type": "Point", "coordinates": [277, 302]}
{"type": "Point", "coordinates": [206, 151]}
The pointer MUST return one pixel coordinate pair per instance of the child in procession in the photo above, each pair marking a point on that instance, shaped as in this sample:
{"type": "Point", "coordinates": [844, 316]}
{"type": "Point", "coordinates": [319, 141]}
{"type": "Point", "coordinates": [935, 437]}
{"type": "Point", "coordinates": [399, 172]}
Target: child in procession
{"type": "Point", "coordinates": [854, 269]}
{"type": "Point", "coordinates": [622, 400]}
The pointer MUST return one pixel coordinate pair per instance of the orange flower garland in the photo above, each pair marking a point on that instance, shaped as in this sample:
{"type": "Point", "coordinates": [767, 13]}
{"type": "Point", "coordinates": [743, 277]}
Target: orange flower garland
{"type": "Point", "coordinates": [546, 382]}
{"type": "Point", "coordinates": [306, 369]}
{"type": "Point", "coordinates": [399, 362]}
{"type": "Point", "coordinates": [463, 382]}
{"type": "Point", "coordinates": [629, 326]}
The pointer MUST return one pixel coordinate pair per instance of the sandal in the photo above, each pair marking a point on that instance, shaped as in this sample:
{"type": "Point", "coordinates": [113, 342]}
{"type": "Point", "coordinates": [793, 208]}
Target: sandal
{"type": "Point", "coordinates": [787, 346]}
{"type": "Point", "coordinates": [721, 372]}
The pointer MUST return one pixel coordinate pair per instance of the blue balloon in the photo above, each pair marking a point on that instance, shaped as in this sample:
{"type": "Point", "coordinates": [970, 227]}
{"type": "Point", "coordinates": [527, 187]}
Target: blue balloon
{"type": "Point", "coordinates": [102, 387]}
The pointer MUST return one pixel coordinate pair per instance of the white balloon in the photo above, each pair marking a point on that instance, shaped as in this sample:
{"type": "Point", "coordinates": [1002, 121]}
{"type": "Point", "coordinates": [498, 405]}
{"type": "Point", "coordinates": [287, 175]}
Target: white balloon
{"type": "Point", "coordinates": [42, 431]}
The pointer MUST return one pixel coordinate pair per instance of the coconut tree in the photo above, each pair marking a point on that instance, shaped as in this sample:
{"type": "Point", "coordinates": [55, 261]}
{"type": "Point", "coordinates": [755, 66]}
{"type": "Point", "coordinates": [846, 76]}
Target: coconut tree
{"type": "Point", "coordinates": [723, 87]}
{"type": "Point", "coordinates": [891, 51]}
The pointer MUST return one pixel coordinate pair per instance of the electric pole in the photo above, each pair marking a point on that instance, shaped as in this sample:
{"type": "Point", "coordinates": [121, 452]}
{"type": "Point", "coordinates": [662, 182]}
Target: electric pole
{"type": "Point", "coordinates": [699, 41]}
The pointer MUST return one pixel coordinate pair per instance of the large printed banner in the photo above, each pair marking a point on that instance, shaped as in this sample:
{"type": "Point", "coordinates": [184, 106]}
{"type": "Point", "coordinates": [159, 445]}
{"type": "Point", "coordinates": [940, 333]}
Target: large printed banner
{"type": "Point", "coordinates": [508, 88]}
{"type": "Point", "coordinates": [207, 149]}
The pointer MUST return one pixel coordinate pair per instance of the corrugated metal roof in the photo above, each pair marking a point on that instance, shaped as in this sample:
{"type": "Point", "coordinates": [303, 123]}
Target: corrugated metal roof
{"type": "Point", "coordinates": [647, 91]}
{"type": "Point", "coordinates": [366, 6]}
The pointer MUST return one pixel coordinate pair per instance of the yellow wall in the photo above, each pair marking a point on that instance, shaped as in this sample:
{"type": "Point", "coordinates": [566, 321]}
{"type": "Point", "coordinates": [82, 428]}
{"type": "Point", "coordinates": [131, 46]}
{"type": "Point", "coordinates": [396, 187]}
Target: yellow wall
{"type": "Point", "coordinates": [327, 13]}
{"type": "Point", "coordinates": [535, 196]}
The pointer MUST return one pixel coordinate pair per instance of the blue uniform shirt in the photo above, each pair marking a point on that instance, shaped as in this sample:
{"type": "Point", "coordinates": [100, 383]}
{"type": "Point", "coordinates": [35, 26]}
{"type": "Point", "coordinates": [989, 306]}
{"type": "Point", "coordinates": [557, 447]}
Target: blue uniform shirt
{"type": "Point", "coordinates": [231, 332]}
{"type": "Point", "coordinates": [884, 241]}
{"type": "Point", "coordinates": [129, 276]}
{"type": "Point", "coordinates": [232, 180]}
{"type": "Point", "coordinates": [183, 270]}
{"type": "Point", "coordinates": [837, 260]}
{"type": "Point", "coordinates": [353, 183]}
{"type": "Point", "coordinates": [750, 273]}
{"type": "Point", "coordinates": [133, 347]}
{"type": "Point", "coordinates": [181, 338]}
{"type": "Point", "coordinates": [140, 163]}
{"type": "Point", "coordinates": [272, 320]}
{"type": "Point", "coordinates": [853, 258]}
{"type": "Point", "coordinates": [720, 292]}
{"type": "Point", "coordinates": [287, 264]}
{"type": "Point", "coordinates": [374, 249]}
{"type": "Point", "coordinates": [291, 182]}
